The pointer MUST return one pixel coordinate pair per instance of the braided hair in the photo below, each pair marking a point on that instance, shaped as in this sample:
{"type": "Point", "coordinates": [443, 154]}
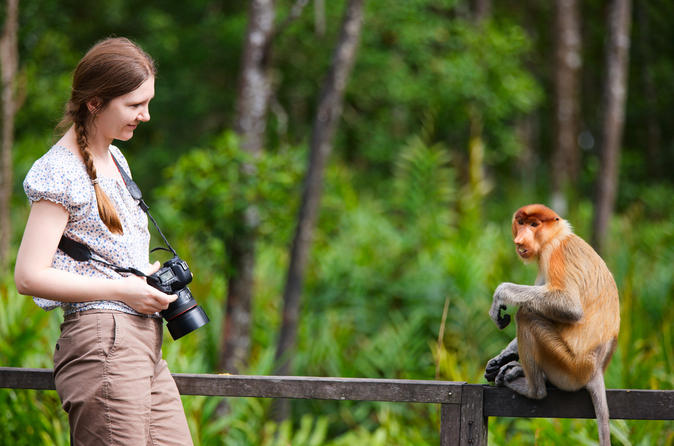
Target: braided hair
{"type": "Point", "coordinates": [111, 68]}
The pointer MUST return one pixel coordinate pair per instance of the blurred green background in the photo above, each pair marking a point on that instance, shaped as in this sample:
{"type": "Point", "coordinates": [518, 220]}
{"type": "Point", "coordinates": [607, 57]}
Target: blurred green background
{"type": "Point", "coordinates": [414, 214]}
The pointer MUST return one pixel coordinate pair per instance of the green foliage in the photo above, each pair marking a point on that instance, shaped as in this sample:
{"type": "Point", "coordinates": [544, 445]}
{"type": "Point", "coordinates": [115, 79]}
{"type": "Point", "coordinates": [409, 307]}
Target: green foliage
{"type": "Point", "coordinates": [402, 231]}
{"type": "Point", "coordinates": [462, 67]}
{"type": "Point", "coordinates": [373, 308]}
{"type": "Point", "coordinates": [417, 58]}
{"type": "Point", "coordinates": [425, 187]}
{"type": "Point", "coordinates": [207, 189]}
{"type": "Point", "coordinates": [383, 269]}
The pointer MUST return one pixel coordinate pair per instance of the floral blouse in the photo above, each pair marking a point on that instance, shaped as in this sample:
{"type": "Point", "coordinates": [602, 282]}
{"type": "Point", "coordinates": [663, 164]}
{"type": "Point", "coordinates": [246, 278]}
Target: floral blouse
{"type": "Point", "coordinates": [61, 177]}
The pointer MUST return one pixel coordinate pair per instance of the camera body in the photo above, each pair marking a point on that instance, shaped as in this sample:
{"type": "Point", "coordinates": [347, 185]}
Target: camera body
{"type": "Point", "coordinates": [183, 315]}
{"type": "Point", "coordinates": [173, 275]}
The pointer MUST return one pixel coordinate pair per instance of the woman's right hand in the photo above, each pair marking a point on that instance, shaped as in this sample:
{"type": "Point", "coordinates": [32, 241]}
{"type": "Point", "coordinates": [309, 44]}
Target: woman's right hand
{"type": "Point", "coordinates": [142, 297]}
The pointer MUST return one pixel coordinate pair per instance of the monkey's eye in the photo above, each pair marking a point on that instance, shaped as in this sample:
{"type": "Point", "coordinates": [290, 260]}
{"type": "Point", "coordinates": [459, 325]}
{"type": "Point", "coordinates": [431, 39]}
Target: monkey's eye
{"type": "Point", "coordinates": [534, 224]}
{"type": "Point", "coordinates": [520, 222]}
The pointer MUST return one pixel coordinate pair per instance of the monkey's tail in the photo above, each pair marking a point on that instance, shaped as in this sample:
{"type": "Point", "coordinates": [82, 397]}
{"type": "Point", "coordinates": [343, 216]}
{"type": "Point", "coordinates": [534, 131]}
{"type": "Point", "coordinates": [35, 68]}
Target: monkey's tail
{"type": "Point", "coordinates": [597, 391]}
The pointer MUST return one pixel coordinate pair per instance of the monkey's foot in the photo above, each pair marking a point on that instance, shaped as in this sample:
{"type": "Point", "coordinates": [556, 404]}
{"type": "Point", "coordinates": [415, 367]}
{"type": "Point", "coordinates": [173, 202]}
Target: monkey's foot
{"type": "Point", "coordinates": [509, 373]}
{"type": "Point", "coordinates": [496, 363]}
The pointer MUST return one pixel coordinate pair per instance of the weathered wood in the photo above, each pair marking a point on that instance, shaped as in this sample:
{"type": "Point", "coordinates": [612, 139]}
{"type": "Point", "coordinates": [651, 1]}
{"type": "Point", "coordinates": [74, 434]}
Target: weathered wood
{"type": "Point", "coordinates": [450, 424]}
{"type": "Point", "coordinates": [355, 389]}
{"type": "Point", "coordinates": [495, 401]}
{"type": "Point", "coordinates": [473, 418]}
{"type": "Point", "coordinates": [622, 403]}
{"type": "Point", "coordinates": [17, 378]}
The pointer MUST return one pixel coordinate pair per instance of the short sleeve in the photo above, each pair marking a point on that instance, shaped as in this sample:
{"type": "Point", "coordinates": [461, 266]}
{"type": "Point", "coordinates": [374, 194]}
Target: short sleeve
{"type": "Point", "coordinates": [58, 178]}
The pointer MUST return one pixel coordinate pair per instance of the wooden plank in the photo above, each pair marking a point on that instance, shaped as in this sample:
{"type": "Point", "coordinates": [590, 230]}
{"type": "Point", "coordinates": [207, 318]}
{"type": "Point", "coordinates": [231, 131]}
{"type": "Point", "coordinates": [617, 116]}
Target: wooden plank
{"type": "Point", "coordinates": [354, 389]}
{"type": "Point", "coordinates": [623, 404]}
{"type": "Point", "coordinates": [473, 419]}
{"type": "Point", "coordinates": [17, 378]}
{"type": "Point", "coordinates": [450, 424]}
{"type": "Point", "coordinates": [641, 404]}
{"type": "Point", "coordinates": [498, 402]}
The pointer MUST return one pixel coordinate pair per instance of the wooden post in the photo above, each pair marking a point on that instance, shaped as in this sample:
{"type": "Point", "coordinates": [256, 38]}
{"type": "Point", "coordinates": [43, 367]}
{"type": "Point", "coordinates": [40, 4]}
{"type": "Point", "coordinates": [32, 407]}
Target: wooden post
{"type": "Point", "coordinates": [473, 421]}
{"type": "Point", "coordinates": [450, 424]}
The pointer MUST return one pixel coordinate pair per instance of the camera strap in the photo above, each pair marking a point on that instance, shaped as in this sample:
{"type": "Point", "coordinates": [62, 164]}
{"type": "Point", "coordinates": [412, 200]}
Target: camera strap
{"type": "Point", "coordinates": [136, 194]}
{"type": "Point", "coordinates": [81, 252]}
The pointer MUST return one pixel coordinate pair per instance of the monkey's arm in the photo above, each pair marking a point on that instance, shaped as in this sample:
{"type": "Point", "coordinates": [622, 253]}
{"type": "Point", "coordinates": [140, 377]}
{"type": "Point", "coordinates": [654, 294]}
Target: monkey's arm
{"type": "Point", "coordinates": [561, 305]}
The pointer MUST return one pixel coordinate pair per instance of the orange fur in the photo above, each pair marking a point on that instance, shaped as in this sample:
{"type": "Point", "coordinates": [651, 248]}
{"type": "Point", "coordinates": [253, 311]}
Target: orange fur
{"type": "Point", "coordinates": [557, 267]}
{"type": "Point", "coordinates": [567, 262]}
{"type": "Point", "coordinates": [567, 325]}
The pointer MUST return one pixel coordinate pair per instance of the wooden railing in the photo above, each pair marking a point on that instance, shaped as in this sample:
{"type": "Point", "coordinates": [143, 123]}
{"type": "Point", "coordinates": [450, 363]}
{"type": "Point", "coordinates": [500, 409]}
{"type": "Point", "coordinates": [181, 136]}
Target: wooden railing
{"type": "Point", "coordinates": [465, 408]}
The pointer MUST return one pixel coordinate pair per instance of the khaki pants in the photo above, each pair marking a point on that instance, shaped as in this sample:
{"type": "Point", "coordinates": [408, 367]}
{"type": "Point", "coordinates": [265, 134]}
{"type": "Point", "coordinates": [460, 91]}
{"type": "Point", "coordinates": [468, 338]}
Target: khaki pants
{"type": "Point", "coordinates": [114, 384]}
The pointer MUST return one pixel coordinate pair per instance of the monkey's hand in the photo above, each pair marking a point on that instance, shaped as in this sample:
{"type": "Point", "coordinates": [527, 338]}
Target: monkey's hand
{"type": "Point", "coordinates": [501, 321]}
{"type": "Point", "coordinates": [495, 314]}
{"type": "Point", "coordinates": [499, 303]}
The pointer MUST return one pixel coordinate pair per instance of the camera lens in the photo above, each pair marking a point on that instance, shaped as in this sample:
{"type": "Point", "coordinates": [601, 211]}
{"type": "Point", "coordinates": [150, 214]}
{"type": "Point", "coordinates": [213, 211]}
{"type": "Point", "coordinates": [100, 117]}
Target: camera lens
{"type": "Point", "coordinates": [187, 322]}
{"type": "Point", "coordinates": [183, 315]}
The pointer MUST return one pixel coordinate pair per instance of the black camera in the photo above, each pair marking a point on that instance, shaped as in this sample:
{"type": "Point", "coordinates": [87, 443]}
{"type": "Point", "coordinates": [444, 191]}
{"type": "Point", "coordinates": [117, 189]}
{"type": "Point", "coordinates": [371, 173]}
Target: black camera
{"type": "Point", "coordinates": [183, 315]}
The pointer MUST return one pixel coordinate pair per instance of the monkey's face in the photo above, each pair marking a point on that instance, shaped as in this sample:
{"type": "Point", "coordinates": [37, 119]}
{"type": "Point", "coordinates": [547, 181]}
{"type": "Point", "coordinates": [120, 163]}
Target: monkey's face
{"type": "Point", "coordinates": [531, 225]}
{"type": "Point", "coordinates": [524, 236]}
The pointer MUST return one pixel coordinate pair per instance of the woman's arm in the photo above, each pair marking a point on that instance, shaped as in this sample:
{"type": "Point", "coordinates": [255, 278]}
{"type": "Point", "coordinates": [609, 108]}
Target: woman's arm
{"type": "Point", "coordinates": [35, 276]}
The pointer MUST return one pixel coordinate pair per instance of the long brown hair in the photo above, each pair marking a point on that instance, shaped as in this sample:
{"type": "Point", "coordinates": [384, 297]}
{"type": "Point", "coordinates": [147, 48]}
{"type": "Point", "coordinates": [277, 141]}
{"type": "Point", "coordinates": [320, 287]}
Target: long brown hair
{"type": "Point", "coordinates": [111, 68]}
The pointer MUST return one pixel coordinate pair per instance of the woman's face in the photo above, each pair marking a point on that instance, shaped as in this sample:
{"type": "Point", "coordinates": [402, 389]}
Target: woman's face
{"type": "Point", "coordinates": [120, 117]}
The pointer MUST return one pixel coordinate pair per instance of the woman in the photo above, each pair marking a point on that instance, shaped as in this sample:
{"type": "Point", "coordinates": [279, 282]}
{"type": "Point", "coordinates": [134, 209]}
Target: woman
{"type": "Point", "coordinates": [108, 369]}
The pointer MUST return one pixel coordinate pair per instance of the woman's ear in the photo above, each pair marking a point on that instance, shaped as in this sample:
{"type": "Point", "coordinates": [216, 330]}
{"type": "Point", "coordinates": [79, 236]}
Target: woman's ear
{"type": "Point", "coordinates": [94, 105]}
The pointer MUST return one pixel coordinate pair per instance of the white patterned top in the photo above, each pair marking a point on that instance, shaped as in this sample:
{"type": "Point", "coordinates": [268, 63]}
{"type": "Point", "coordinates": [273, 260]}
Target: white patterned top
{"type": "Point", "coordinates": [61, 177]}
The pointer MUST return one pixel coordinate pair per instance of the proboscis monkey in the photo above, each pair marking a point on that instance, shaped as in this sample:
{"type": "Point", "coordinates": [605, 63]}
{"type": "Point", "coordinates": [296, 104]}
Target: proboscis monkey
{"type": "Point", "coordinates": [567, 322]}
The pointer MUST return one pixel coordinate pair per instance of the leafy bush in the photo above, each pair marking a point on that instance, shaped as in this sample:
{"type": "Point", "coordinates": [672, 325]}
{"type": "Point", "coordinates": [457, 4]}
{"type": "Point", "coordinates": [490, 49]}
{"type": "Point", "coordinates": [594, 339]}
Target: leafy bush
{"type": "Point", "coordinates": [383, 268]}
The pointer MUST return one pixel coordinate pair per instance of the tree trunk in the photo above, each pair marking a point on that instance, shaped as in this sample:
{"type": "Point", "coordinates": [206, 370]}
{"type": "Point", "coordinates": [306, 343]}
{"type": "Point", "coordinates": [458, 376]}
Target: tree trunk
{"type": "Point", "coordinates": [527, 131]}
{"type": "Point", "coordinates": [319, 17]}
{"type": "Point", "coordinates": [477, 179]}
{"type": "Point", "coordinates": [653, 137]}
{"type": "Point", "coordinates": [615, 92]}
{"type": "Point", "coordinates": [566, 156]}
{"type": "Point", "coordinates": [9, 61]}
{"type": "Point", "coordinates": [250, 124]}
{"type": "Point", "coordinates": [481, 10]}
{"type": "Point", "coordinates": [471, 205]}
{"type": "Point", "coordinates": [324, 127]}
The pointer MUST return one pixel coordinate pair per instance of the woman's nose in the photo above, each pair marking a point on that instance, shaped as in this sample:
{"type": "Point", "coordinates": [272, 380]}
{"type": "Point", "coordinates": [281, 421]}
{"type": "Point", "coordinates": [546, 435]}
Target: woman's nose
{"type": "Point", "coordinates": [144, 115]}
